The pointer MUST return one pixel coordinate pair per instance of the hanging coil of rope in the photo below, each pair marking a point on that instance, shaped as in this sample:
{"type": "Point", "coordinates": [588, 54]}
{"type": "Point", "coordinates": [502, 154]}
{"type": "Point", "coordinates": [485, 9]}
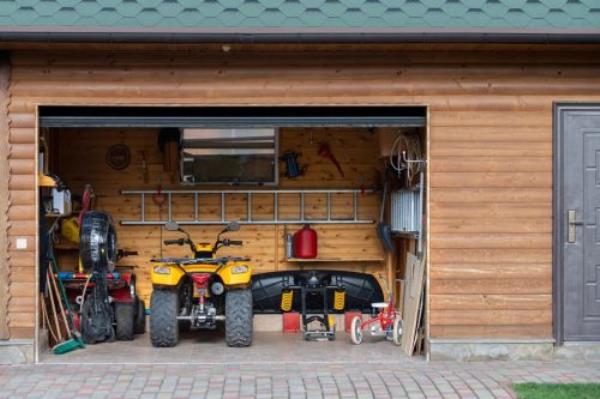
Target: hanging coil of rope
{"type": "Point", "coordinates": [407, 155]}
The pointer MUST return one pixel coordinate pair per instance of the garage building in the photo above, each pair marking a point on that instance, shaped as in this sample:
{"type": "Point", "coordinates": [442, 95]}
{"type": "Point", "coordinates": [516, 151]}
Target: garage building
{"type": "Point", "coordinates": [504, 100]}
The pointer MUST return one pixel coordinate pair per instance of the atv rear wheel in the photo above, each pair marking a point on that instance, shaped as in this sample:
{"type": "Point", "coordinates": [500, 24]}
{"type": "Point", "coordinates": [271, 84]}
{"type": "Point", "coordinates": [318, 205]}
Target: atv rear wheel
{"type": "Point", "coordinates": [124, 317]}
{"type": "Point", "coordinates": [238, 318]}
{"type": "Point", "coordinates": [164, 328]}
{"type": "Point", "coordinates": [140, 316]}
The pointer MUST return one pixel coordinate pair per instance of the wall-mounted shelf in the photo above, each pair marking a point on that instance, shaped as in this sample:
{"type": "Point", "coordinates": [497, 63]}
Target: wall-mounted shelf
{"type": "Point", "coordinates": [66, 246]}
{"type": "Point", "coordinates": [317, 260]}
{"type": "Point", "coordinates": [53, 215]}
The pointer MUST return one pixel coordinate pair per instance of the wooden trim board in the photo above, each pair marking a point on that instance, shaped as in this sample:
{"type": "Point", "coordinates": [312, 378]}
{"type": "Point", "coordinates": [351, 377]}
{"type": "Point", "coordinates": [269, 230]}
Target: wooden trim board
{"type": "Point", "coordinates": [413, 304]}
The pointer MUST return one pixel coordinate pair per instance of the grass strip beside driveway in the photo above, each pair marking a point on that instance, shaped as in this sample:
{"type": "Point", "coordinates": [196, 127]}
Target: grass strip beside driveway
{"type": "Point", "coordinates": [557, 391]}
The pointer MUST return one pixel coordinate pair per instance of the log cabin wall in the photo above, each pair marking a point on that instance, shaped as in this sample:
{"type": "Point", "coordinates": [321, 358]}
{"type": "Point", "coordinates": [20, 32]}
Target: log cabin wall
{"type": "Point", "coordinates": [490, 150]}
{"type": "Point", "coordinates": [355, 149]}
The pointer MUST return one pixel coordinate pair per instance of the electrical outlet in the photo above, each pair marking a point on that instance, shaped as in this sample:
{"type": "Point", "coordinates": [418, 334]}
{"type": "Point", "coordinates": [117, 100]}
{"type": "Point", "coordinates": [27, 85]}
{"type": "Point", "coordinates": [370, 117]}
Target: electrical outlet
{"type": "Point", "coordinates": [21, 243]}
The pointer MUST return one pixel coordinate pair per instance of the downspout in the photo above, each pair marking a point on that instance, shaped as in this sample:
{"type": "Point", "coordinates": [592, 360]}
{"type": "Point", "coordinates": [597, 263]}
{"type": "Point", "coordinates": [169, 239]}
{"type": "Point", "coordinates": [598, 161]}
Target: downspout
{"type": "Point", "coordinates": [5, 71]}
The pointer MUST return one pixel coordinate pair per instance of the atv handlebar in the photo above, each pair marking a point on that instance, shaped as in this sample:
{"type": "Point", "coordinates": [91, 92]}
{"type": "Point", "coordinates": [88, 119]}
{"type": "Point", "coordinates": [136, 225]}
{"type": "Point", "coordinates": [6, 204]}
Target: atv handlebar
{"type": "Point", "coordinates": [226, 242]}
{"type": "Point", "coordinates": [179, 241]}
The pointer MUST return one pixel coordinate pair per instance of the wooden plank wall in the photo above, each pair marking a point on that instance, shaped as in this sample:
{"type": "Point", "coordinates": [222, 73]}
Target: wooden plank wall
{"type": "Point", "coordinates": [356, 150]}
{"type": "Point", "coordinates": [491, 148]}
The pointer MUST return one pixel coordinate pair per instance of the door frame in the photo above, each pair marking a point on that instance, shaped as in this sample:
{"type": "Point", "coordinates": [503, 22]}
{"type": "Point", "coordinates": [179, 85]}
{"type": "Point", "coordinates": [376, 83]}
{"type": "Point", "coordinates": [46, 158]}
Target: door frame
{"type": "Point", "coordinates": [37, 342]}
{"type": "Point", "coordinates": [558, 220]}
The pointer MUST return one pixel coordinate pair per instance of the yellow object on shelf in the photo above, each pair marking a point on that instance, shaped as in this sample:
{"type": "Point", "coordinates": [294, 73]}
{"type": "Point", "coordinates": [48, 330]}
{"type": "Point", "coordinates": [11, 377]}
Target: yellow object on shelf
{"type": "Point", "coordinates": [69, 229]}
{"type": "Point", "coordinates": [46, 181]}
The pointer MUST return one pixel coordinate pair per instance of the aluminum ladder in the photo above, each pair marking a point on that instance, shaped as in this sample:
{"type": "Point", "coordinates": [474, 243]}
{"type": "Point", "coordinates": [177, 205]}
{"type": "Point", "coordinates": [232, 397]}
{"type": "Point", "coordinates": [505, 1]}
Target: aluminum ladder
{"type": "Point", "coordinates": [276, 219]}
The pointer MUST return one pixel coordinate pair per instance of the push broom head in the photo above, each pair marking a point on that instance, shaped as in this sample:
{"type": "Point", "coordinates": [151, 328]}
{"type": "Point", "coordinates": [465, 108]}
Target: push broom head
{"type": "Point", "coordinates": [68, 345]}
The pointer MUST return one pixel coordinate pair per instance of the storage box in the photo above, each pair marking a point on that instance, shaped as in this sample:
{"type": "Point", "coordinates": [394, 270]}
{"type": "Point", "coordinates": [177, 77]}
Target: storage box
{"type": "Point", "coordinates": [61, 201]}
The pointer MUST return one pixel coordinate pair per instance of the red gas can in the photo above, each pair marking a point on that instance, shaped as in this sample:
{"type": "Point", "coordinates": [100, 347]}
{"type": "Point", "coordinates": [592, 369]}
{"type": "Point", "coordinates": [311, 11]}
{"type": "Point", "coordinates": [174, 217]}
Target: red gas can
{"type": "Point", "coordinates": [305, 243]}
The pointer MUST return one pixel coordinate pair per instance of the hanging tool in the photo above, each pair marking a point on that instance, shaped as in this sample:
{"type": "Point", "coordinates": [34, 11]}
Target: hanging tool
{"type": "Point", "coordinates": [325, 152]}
{"type": "Point", "coordinates": [293, 169]}
{"type": "Point", "coordinates": [384, 230]}
{"type": "Point", "coordinates": [86, 202]}
{"type": "Point", "coordinates": [158, 197]}
{"type": "Point", "coordinates": [406, 155]}
{"type": "Point", "coordinates": [144, 167]}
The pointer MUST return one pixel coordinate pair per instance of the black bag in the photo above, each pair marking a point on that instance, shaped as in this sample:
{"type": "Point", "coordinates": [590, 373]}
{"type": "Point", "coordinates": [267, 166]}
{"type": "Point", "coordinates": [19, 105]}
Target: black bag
{"type": "Point", "coordinates": [97, 314]}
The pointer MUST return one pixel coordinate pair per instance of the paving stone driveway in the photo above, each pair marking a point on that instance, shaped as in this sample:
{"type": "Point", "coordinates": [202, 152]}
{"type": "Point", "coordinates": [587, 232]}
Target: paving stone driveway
{"type": "Point", "coordinates": [406, 379]}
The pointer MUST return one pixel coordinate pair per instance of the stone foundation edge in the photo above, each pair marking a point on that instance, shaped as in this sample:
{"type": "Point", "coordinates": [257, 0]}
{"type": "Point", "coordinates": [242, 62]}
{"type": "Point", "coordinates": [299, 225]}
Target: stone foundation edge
{"type": "Point", "coordinates": [483, 350]}
{"type": "Point", "coordinates": [16, 351]}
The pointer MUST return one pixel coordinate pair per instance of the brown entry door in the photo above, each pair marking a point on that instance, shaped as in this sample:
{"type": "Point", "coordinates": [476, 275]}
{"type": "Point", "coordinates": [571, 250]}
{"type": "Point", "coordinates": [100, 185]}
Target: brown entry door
{"type": "Point", "coordinates": [580, 214]}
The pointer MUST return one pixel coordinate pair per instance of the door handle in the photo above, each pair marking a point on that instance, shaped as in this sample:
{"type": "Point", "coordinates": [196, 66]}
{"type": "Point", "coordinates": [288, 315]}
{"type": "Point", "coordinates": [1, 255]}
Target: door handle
{"type": "Point", "coordinates": [572, 223]}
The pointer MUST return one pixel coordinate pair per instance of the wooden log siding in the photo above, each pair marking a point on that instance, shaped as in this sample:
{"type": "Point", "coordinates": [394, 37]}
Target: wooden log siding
{"type": "Point", "coordinates": [491, 149]}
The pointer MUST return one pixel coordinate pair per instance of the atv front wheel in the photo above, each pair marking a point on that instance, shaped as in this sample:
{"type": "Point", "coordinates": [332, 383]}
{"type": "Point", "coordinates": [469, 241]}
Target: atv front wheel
{"type": "Point", "coordinates": [164, 328]}
{"type": "Point", "coordinates": [238, 318]}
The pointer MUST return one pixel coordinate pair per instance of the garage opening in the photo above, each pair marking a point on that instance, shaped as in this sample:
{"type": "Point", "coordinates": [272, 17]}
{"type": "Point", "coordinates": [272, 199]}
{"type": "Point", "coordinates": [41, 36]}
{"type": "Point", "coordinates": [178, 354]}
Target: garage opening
{"type": "Point", "coordinates": [167, 232]}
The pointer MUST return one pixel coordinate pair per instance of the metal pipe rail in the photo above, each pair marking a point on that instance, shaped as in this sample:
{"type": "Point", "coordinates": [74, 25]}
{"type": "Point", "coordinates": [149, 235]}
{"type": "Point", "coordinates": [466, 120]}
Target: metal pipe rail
{"type": "Point", "coordinates": [276, 219]}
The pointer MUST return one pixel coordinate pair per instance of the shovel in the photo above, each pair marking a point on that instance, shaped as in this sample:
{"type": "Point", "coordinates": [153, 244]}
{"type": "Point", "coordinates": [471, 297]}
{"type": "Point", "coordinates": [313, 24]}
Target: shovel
{"type": "Point", "coordinates": [384, 230]}
{"type": "Point", "coordinates": [72, 341]}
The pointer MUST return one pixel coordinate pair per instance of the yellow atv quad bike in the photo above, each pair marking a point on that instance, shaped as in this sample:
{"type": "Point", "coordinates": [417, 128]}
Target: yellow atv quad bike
{"type": "Point", "coordinates": [200, 291]}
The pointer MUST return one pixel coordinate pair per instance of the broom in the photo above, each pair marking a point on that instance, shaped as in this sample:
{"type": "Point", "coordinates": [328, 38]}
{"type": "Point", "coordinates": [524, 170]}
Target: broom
{"type": "Point", "coordinates": [74, 340]}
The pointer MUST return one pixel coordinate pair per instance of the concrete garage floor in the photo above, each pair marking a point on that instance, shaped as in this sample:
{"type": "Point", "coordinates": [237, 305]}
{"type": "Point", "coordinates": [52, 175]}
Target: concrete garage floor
{"type": "Point", "coordinates": [210, 347]}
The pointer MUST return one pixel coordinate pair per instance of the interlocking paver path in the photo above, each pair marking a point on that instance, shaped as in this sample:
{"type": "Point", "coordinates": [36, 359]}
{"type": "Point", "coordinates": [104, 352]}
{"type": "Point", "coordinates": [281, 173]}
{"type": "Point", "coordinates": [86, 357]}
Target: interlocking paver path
{"type": "Point", "coordinates": [402, 379]}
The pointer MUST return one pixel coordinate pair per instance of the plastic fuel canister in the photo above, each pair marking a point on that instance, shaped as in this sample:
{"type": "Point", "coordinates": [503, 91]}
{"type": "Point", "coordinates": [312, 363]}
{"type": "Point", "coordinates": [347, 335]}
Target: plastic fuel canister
{"type": "Point", "coordinates": [305, 243]}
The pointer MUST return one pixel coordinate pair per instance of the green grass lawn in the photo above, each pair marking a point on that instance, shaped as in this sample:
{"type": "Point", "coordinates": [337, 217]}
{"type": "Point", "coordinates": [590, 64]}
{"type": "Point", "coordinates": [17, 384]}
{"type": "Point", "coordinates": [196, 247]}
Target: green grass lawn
{"type": "Point", "coordinates": [557, 391]}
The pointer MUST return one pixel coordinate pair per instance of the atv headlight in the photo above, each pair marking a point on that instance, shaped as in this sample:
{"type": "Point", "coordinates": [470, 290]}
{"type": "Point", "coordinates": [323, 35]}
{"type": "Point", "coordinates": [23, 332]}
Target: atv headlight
{"type": "Point", "coordinates": [162, 270]}
{"type": "Point", "coordinates": [239, 269]}
{"type": "Point", "coordinates": [217, 288]}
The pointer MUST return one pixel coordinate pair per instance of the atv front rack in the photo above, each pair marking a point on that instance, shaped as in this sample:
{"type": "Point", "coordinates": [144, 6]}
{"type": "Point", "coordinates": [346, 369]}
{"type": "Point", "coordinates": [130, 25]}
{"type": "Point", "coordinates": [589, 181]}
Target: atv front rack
{"type": "Point", "coordinates": [210, 261]}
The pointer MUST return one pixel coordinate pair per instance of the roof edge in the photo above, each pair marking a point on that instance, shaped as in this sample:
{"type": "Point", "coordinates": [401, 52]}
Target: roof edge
{"type": "Point", "coordinates": [67, 34]}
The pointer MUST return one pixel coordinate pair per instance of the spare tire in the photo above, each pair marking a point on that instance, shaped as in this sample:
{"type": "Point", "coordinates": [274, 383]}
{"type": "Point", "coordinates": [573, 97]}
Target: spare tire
{"type": "Point", "coordinates": [97, 242]}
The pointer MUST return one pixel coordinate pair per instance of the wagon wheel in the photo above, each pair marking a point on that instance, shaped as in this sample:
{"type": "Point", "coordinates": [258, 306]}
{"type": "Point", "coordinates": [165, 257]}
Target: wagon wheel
{"type": "Point", "coordinates": [356, 334]}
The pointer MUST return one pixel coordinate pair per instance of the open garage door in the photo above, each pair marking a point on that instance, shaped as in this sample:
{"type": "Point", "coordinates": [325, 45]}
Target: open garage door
{"type": "Point", "coordinates": [160, 172]}
{"type": "Point", "coordinates": [231, 117]}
